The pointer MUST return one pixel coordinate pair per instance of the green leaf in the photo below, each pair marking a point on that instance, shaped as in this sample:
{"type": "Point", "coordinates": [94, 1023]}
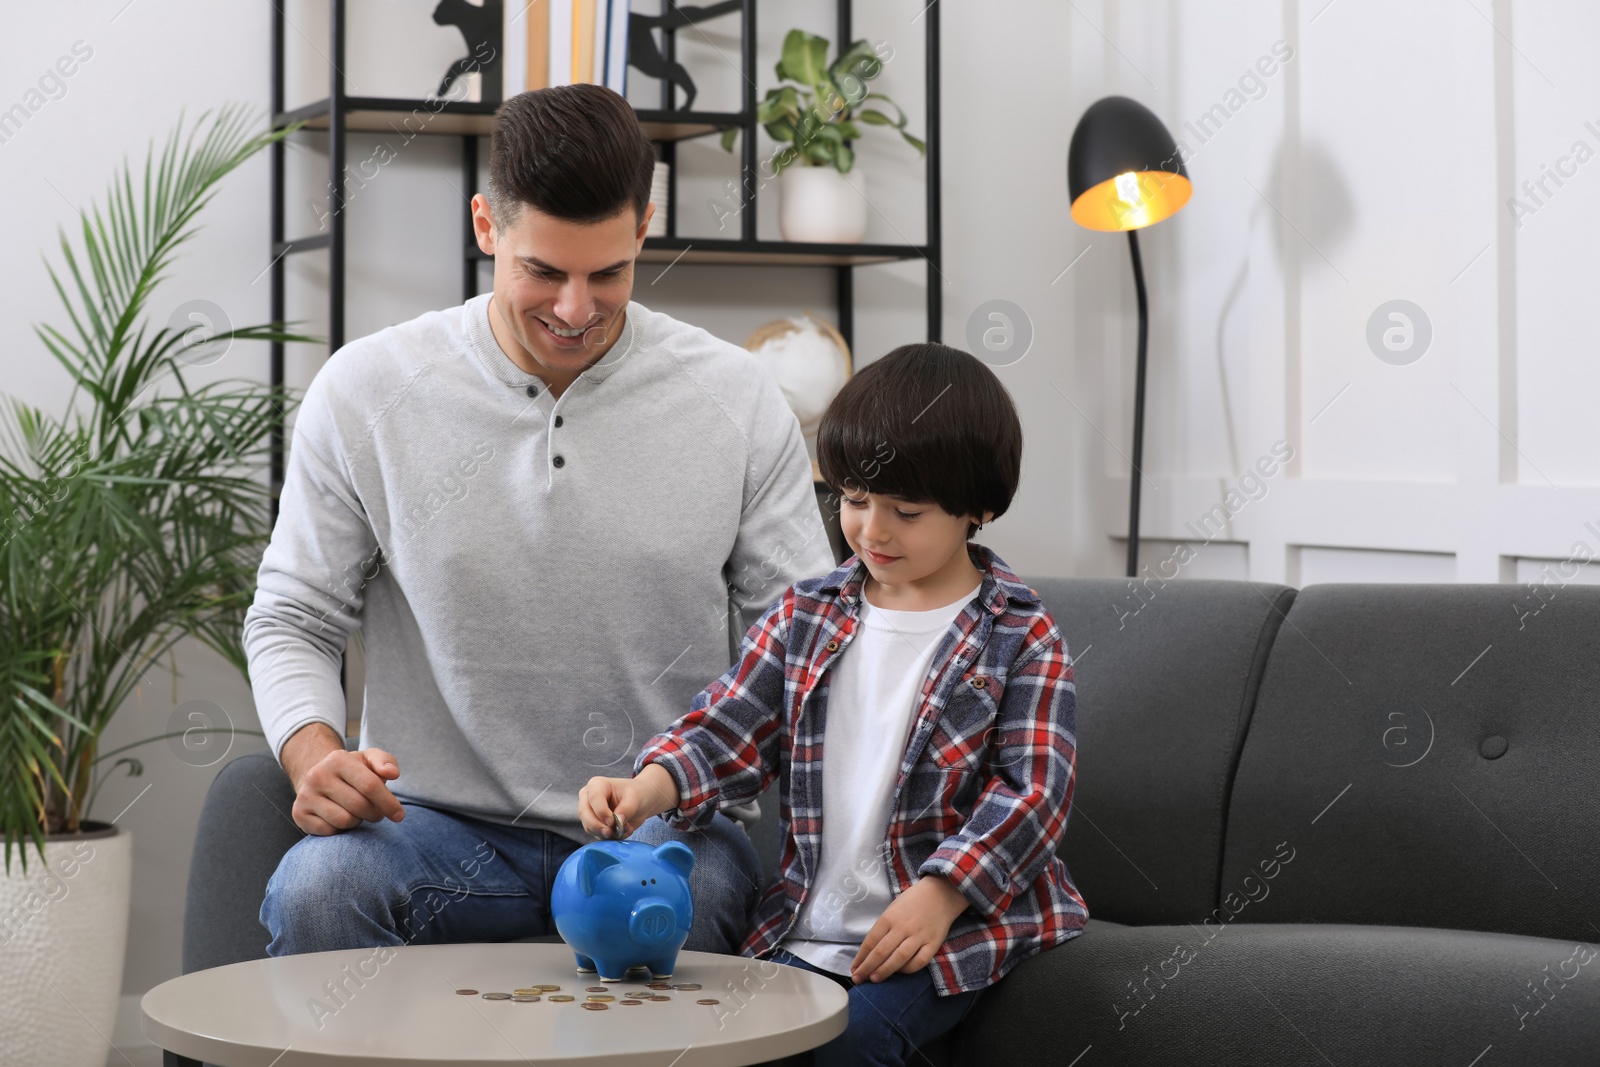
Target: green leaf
{"type": "Point", "coordinates": [858, 65]}
{"type": "Point", "coordinates": [873, 117]}
{"type": "Point", "coordinates": [782, 130]}
{"type": "Point", "coordinates": [804, 57]}
{"type": "Point", "coordinates": [729, 137]}
{"type": "Point", "coordinates": [844, 158]}
{"type": "Point", "coordinates": [913, 142]}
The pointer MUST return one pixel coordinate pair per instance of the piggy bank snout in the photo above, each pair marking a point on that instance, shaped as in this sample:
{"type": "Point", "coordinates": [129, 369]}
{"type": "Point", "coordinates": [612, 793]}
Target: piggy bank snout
{"type": "Point", "coordinates": [653, 921]}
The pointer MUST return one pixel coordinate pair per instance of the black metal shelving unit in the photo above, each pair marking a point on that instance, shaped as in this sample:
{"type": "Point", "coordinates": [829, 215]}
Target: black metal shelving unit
{"type": "Point", "coordinates": [339, 114]}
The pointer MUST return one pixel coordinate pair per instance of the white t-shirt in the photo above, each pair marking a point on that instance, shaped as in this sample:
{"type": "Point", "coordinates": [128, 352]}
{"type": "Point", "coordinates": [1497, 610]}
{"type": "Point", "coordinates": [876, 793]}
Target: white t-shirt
{"type": "Point", "coordinates": [872, 701]}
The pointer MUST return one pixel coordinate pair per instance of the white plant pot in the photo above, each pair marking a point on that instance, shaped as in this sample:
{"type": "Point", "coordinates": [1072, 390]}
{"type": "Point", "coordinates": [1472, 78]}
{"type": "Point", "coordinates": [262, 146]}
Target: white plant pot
{"type": "Point", "coordinates": [820, 204]}
{"type": "Point", "coordinates": [63, 934]}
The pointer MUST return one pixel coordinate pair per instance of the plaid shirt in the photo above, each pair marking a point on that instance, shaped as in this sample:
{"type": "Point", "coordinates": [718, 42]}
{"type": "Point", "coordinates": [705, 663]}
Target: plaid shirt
{"type": "Point", "coordinates": [985, 783]}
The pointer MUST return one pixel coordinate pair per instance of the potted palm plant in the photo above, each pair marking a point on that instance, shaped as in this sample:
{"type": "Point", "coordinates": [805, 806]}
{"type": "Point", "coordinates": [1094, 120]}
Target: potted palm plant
{"type": "Point", "coordinates": [821, 192]}
{"type": "Point", "coordinates": [129, 523]}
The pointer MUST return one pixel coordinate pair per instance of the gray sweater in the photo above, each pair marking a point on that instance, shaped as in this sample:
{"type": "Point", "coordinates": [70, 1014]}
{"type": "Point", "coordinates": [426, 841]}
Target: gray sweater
{"type": "Point", "coordinates": [541, 585]}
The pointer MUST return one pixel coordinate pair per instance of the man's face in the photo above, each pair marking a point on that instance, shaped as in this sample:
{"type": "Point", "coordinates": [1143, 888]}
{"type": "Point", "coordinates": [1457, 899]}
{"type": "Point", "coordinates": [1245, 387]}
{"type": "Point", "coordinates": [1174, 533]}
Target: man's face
{"type": "Point", "coordinates": [560, 288]}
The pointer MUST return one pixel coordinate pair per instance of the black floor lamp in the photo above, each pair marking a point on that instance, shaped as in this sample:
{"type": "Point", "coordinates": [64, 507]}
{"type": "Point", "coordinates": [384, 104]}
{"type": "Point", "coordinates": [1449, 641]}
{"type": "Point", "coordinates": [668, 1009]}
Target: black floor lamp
{"type": "Point", "coordinates": [1124, 173]}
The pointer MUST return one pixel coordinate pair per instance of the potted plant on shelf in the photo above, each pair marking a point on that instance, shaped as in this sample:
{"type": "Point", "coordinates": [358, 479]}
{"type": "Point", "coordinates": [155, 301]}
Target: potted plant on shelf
{"type": "Point", "coordinates": [821, 192]}
{"type": "Point", "coordinates": [134, 520]}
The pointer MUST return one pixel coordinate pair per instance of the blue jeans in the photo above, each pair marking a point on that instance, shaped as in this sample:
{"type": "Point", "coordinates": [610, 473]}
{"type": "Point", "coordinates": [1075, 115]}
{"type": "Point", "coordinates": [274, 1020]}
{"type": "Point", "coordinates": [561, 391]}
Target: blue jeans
{"type": "Point", "coordinates": [889, 1020]}
{"type": "Point", "coordinates": [439, 877]}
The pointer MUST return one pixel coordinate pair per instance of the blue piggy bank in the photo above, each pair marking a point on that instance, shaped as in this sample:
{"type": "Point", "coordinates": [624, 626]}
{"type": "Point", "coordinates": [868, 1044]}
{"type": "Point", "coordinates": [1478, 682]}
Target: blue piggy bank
{"type": "Point", "coordinates": [621, 904]}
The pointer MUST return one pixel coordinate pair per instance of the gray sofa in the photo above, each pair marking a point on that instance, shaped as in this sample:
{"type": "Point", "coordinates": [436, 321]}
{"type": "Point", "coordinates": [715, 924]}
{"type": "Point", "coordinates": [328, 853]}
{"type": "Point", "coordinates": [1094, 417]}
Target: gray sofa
{"type": "Point", "coordinates": [1354, 824]}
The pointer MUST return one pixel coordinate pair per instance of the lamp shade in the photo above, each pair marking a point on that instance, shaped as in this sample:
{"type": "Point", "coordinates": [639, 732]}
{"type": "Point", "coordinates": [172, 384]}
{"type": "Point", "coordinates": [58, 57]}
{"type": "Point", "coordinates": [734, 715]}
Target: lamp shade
{"type": "Point", "coordinates": [1123, 167]}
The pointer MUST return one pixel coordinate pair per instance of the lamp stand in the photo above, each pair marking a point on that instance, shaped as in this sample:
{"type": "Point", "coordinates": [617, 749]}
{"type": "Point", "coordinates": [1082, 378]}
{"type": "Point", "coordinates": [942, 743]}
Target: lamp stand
{"type": "Point", "coordinates": [1138, 405]}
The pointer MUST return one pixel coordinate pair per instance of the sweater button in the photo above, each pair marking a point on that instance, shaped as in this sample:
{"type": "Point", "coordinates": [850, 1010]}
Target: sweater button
{"type": "Point", "coordinates": [533, 390]}
{"type": "Point", "coordinates": [559, 421]}
{"type": "Point", "coordinates": [977, 683]}
{"type": "Point", "coordinates": [833, 646]}
{"type": "Point", "coordinates": [559, 461]}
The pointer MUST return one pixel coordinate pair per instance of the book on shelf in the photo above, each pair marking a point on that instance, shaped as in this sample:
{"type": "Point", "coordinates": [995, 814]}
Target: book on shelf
{"type": "Point", "coordinates": [565, 42]}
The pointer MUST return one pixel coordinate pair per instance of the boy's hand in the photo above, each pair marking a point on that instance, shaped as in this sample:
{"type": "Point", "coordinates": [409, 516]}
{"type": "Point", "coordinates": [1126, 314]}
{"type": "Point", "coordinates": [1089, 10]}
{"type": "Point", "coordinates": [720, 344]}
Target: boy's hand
{"type": "Point", "coordinates": [910, 930]}
{"type": "Point", "coordinates": [615, 807]}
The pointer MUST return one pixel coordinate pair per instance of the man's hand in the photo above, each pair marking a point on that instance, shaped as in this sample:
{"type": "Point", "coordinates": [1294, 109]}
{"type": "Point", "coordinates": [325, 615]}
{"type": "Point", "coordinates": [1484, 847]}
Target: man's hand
{"type": "Point", "coordinates": [336, 790]}
{"type": "Point", "coordinates": [615, 807]}
{"type": "Point", "coordinates": [910, 930]}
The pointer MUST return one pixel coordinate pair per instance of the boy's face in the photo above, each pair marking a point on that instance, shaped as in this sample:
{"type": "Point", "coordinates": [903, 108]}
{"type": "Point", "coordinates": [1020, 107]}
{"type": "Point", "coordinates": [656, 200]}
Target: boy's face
{"type": "Point", "coordinates": [552, 275]}
{"type": "Point", "coordinates": [901, 541]}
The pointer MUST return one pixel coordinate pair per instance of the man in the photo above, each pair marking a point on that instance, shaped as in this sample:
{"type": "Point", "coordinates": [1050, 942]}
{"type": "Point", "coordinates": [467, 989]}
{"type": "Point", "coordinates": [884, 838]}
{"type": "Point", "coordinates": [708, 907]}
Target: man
{"type": "Point", "coordinates": [512, 500]}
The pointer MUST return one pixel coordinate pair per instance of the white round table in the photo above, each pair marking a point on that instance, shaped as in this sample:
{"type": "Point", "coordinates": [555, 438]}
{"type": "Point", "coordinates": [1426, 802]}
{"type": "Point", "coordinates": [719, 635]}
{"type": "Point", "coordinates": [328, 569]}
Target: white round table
{"type": "Point", "coordinates": [389, 1007]}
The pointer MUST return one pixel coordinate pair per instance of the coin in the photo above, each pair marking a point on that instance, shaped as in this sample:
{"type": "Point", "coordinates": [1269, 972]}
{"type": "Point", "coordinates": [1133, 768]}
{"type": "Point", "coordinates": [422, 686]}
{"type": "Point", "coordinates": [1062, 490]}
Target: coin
{"type": "Point", "coordinates": [599, 997]}
{"type": "Point", "coordinates": [620, 824]}
{"type": "Point", "coordinates": [525, 998]}
{"type": "Point", "coordinates": [466, 992]}
{"type": "Point", "coordinates": [593, 1006]}
{"type": "Point", "coordinates": [708, 1002]}
{"type": "Point", "coordinates": [659, 997]}
{"type": "Point", "coordinates": [545, 987]}
{"type": "Point", "coordinates": [562, 998]}
{"type": "Point", "coordinates": [687, 987]}
{"type": "Point", "coordinates": [594, 989]}
{"type": "Point", "coordinates": [497, 996]}
{"type": "Point", "coordinates": [660, 985]}
{"type": "Point", "coordinates": [631, 1003]}
{"type": "Point", "coordinates": [528, 991]}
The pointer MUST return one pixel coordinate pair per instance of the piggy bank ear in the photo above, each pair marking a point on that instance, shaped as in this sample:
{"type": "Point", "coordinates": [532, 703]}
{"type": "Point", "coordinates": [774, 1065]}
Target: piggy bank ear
{"type": "Point", "coordinates": [590, 864]}
{"type": "Point", "coordinates": [676, 854]}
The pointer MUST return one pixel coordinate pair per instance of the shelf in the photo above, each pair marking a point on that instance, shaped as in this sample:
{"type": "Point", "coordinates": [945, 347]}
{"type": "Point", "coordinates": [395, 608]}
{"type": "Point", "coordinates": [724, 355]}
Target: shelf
{"type": "Point", "coordinates": [377, 114]}
{"type": "Point", "coordinates": [763, 253]}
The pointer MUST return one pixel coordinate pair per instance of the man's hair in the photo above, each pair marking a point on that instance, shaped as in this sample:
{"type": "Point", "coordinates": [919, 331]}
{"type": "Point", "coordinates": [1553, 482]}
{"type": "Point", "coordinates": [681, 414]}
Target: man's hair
{"type": "Point", "coordinates": [575, 152]}
{"type": "Point", "coordinates": [926, 423]}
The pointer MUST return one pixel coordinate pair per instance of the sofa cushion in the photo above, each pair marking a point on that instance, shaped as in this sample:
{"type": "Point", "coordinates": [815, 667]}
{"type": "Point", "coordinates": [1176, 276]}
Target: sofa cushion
{"type": "Point", "coordinates": [1304, 995]}
{"type": "Point", "coordinates": [1166, 678]}
{"type": "Point", "coordinates": [1430, 755]}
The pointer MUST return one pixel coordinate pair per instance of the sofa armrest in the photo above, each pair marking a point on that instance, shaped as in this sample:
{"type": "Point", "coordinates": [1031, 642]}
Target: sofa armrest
{"type": "Point", "coordinates": [245, 828]}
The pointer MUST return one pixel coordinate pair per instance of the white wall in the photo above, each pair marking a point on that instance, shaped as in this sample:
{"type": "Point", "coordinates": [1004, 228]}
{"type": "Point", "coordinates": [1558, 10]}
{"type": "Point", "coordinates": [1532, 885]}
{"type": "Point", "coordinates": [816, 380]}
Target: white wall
{"type": "Point", "coordinates": [1374, 165]}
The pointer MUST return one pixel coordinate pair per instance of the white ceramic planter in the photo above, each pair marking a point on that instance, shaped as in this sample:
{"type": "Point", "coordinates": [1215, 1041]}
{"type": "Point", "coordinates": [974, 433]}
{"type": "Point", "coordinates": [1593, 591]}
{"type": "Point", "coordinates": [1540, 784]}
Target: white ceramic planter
{"type": "Point", "coordinates": [820, 204]}
{"type": "Point", "coordinates": [63, 934]}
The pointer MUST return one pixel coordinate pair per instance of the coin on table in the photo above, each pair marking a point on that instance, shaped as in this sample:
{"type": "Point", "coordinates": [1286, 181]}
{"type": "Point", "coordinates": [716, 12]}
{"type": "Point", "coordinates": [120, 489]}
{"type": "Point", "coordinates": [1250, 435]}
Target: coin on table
{"type": "Point", "coordinates": [593, 1006]}
{"type": "Point", "coordinates": [562, 998]}
{"type": "Point", "coordinates": [466, 992]}
{"type": "Point", "coordinates": [594, 989]}
{"type": "Point", "coordinates": [630, 1002]}
{"type": "Point", "coordinates": [600, 997]}
{"type": "Point", "coordinates": [545, 987]}
{"type": "Point", "coordinates": [687, 987]}
{"type": "Point", "coordinates": [528, 991]}
{"type": "Point", "coordinates": [497, 996]}
{"type": "Point", "coordinates": [660, 985]}
{"type": "Point", "coordinates": [525, 998]}
{"type": "Point", "coordinates": [708, 1001]}
{"type": "Point", "coordinates": [660, 999]}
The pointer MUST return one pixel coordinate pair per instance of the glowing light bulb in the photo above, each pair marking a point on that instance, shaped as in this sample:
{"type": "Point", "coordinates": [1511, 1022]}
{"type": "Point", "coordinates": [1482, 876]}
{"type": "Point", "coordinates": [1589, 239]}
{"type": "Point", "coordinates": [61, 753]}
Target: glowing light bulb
{"type": "Point", "coordinates": [1128, 188]}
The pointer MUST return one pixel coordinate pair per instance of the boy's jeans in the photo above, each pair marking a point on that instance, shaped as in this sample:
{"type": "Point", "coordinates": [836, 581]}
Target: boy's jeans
{"type": "Point", "coordinates": [890, 1020]}
{"type": "Point", "coordinates": [444, 878]}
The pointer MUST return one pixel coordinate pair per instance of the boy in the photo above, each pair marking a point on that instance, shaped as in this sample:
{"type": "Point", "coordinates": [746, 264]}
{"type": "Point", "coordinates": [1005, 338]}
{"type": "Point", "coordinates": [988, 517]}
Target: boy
{"type": "Point", "coordinates": [918, 862]}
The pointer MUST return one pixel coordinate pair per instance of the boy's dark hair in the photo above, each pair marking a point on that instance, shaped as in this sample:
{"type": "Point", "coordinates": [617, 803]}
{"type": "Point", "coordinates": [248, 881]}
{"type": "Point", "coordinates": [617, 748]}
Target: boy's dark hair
{"type": "Point", "coordinates": [926, 423]}
{"type": "Point", "coordinates": [575, 152]}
